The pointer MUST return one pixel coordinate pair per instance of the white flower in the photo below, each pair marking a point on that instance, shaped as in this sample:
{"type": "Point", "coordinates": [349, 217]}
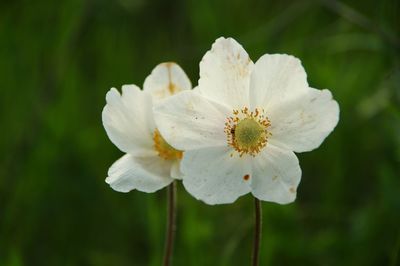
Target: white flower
{"type": "Point", "coordinates": [150, 163]}
{"type": "Point", "coordinates": [241, 126]}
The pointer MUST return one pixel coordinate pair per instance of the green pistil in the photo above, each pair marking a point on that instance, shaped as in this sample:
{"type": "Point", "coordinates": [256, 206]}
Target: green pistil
{"type": "Point", "coordinates": [248, 133]}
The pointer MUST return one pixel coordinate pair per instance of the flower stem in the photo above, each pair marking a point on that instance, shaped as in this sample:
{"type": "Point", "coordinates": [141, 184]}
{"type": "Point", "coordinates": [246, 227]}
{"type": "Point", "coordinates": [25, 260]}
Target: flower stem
{"type": "Point", "coordinates": [257, 232]}
{"type": "Point", "coordinates": [171, 226]}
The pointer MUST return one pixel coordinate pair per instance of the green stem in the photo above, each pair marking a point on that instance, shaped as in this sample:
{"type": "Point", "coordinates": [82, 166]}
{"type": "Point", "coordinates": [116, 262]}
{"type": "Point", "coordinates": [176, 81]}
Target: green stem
{"type": "Point", "coordinates": [257, 232]}
{"type": "Point", "coordinates": [171, 226]}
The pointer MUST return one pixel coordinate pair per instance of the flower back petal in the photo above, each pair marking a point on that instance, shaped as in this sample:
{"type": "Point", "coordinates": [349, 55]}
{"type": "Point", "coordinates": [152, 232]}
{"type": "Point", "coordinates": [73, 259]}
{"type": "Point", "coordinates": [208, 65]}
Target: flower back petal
{"type": "Point", "coordinates": [146, 174]}
{"type": "Point", "coordinates": [128, 120]}
{"type": "Point", "coordinates": [165, 80]}
{"type": "Point", "coordinates": [176, 172]}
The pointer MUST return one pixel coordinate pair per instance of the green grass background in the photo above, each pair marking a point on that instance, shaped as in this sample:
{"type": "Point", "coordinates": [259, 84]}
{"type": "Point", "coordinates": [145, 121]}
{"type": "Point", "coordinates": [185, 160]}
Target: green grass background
{"type": "Point", "coordinates": [59, 58]}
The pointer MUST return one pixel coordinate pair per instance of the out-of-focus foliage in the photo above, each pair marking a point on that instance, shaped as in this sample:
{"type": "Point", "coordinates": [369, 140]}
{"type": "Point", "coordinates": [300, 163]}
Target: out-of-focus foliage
{"type": "Point", "coordinates": [58, 59]}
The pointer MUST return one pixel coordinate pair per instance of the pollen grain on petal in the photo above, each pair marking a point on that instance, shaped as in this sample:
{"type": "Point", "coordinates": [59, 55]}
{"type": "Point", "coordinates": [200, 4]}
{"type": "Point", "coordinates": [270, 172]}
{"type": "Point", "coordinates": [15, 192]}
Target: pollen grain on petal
{"type": "Point", "coordinates": [246, 177]}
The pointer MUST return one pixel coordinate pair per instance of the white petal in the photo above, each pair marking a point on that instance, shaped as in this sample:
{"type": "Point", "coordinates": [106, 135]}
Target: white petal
{"type": "Point", "coordinates": [225, 73]}
{"type": "Point", "coordinates": [276, 175]}
{"type": "Point", "coordinates": [276, 78]}
{"type": "Point", "coordinates": [165, 80]}
{"type": "Point", "coordinates": [176, 170]}
{"type": "Point", "coordinates": [190, 121]}
{"type": "Point", "coordinates": [128, 120]}
{"type": "Point", "coordinates": [215, 177]}
{"type": "Point", "coordinates": [303, 124]}
{"type": "Point", "coordinates": [301, 117]}
{"type": "Point", "coordinates": [147, 174]}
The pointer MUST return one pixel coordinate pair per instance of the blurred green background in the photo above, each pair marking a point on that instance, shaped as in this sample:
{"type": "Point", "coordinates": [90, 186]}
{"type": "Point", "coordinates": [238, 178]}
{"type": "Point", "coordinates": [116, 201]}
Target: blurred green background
{"type": "Point", "coordinates": [59, 58]}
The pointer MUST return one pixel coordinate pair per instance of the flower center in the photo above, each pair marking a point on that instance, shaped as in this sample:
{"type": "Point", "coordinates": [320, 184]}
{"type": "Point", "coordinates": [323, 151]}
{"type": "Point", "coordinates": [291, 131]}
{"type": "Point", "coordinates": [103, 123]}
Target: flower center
{"type": "Point", "coordinates": [165, 150]}
{"type": "Point", "coordinates": [247, 131]}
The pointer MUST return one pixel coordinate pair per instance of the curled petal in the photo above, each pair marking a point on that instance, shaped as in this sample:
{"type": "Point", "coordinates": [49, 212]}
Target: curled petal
{"type": "Point", "coordinates": [128, 120]}
{"type": "Point", "coordinates": [146, 174]}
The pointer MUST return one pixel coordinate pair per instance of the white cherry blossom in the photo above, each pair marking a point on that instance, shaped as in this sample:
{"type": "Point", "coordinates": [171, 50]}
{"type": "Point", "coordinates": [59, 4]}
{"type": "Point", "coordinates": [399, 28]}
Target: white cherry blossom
{"type": "Point", "coordinates": [240, 128]}
{"type": "Point", "coordinates": [150, 163]}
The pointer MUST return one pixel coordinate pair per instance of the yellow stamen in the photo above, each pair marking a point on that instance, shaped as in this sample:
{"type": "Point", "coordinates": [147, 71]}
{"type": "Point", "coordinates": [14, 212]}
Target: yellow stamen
{"type": "Point", "coordinates": [247, 131]}
{"type": "Point", "coordinates": [165, 150]}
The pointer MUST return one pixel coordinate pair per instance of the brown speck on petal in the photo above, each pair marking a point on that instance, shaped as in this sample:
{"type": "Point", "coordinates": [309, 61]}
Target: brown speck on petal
{"type": "Point", "coordinates": [292, 190]}
{"type": "Point", "coordinates": [246, 177]}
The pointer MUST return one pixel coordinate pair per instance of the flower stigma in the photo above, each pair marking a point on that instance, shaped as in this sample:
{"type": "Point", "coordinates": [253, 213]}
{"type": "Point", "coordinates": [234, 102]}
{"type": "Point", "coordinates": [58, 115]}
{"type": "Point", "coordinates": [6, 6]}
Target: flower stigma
{"type": "Point", "coordinates": [247, 131]}
{"type": "Point", "coordinates": [165, 150]}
